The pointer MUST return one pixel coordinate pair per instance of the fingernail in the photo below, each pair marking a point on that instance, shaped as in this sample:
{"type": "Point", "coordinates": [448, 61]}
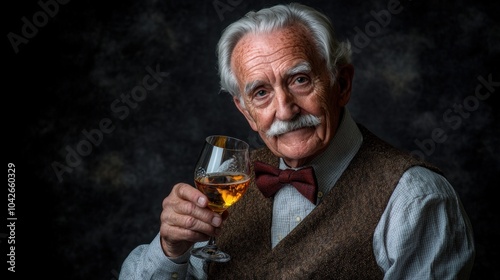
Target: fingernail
{"type": "Point", "coordinates": [201, 201]}
{"type": "Point", "coordinates": [216, 221]}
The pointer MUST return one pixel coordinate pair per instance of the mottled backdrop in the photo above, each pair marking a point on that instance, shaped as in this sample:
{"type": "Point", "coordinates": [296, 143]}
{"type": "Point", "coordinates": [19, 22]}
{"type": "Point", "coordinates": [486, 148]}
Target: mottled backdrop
{"type": "Point", "coordinates": [107, 106]}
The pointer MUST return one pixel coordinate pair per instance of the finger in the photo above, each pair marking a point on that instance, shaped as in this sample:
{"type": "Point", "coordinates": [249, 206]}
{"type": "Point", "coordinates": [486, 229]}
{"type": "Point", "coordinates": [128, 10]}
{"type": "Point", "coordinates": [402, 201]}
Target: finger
{"type": "Point", "coordinates": [190, 193]}
{"type": "Point", "coordinates": [187, 215]}
{"type": "Point", "coordinates": [184, 200]}
{"type": "Point", "coordinates": [178, 234]}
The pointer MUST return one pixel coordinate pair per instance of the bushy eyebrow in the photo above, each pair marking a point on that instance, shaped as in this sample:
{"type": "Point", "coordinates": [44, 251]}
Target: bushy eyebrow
{"type": "Point", "coordinates": [250, 87]}
{"type": "Point", "coordinates": [301, 67]}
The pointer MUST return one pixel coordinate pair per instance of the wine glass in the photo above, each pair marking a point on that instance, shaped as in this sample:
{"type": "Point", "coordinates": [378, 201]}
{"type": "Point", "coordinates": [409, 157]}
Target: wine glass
{"type": "Point", "coordinates": [222, 173]}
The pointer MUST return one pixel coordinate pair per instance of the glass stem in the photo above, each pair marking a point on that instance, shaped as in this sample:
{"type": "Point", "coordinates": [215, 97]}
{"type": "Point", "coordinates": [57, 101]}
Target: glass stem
{"type": "Point", "coordinates": [211, 241]}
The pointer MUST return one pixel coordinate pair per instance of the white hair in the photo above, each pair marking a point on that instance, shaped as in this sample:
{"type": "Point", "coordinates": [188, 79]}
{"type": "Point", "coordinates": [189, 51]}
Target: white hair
{"type": "Point", "coordinates": [274, 18]}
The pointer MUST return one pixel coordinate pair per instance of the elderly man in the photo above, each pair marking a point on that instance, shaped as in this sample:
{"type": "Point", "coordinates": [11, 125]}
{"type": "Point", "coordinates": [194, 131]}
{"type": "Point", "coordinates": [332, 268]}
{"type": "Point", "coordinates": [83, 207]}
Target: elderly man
{"type": "Point", "coordinates": [377, 212]}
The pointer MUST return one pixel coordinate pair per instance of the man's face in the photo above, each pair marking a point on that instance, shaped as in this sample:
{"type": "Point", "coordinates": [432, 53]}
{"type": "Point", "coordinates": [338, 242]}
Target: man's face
{"type": "Point", "coordinates": [281, 78]}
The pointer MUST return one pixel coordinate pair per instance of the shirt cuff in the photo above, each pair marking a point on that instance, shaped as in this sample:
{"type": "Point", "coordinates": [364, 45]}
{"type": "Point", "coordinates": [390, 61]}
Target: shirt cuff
{"type": "Point", "coordinates": [173, 268]}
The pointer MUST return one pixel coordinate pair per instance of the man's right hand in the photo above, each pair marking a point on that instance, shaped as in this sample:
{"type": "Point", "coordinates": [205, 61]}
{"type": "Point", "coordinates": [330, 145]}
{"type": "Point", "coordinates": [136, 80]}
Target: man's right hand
{"type": "Point", "coordinates": [186, 219]}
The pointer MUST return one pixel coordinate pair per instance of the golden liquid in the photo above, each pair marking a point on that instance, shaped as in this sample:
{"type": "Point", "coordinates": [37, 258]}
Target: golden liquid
{"type": "Point", "coordinates": [223, 189]}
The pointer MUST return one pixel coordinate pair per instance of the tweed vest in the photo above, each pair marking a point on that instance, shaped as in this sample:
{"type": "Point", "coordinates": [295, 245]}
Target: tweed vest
{"type": "Point", "coordinates": [334, 241]}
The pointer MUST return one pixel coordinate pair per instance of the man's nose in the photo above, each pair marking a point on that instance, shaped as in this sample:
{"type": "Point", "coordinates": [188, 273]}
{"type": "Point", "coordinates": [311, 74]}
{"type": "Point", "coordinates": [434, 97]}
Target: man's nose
{"type": "Point", "coordinates": [286, 105]}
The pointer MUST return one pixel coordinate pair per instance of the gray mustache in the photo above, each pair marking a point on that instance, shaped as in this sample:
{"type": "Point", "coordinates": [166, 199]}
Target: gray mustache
{"type": "Point", "coordinates": [280, 127]}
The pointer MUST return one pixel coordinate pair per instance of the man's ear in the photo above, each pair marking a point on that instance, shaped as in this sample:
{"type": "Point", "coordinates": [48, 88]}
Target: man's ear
{"type": "Point", "coordinates": [237, 101]}
{"type": "Point", "coordinates": [344, 80]}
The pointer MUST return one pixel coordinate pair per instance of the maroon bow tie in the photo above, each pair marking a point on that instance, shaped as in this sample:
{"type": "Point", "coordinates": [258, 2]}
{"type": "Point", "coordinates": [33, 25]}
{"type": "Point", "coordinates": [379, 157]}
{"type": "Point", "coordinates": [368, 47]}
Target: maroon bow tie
{"type": "Point", "coordinates": [270, 179]}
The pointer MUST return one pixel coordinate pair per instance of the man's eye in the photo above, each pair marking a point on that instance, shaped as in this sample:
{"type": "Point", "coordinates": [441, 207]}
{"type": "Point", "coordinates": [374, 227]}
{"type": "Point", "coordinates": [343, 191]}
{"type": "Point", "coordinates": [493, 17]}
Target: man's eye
{"type": "Point", "coordinates": [301, 80]}
{"type": "Point", "coordinates": [260, 93]}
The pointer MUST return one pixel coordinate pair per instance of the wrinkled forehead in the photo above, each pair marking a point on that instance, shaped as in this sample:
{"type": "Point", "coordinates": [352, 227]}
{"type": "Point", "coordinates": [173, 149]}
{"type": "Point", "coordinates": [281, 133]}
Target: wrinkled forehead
{"type": "Point", "coordinates": [282, 48]}
{"type": "Point", "coordinates": [260, 41]}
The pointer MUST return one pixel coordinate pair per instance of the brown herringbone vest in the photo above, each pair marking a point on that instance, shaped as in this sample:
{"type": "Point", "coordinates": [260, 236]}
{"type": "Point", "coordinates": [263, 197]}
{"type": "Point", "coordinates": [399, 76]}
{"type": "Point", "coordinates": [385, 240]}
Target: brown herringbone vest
{"type": "Point", "coordinates": [334, 241]}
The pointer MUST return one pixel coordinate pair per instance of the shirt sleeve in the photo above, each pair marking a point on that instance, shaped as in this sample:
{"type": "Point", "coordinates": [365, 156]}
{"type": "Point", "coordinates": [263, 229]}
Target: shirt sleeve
{"type": "Point", "coordinates": [148, 261]}
{"type": "Point", "coordinates": [424, 232]}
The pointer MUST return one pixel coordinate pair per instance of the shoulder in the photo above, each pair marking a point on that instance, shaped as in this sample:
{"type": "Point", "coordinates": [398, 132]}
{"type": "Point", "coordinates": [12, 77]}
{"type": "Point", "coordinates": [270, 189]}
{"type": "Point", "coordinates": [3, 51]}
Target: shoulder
{"type": "Point", "coordinates": [420, 187]}
{"type": "Point", "coordinates": [420, 181]}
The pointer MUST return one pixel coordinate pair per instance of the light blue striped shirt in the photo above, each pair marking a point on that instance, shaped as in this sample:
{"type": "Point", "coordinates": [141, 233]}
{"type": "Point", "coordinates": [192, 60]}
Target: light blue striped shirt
{"type": "Point", "coordinates": [424, 232]}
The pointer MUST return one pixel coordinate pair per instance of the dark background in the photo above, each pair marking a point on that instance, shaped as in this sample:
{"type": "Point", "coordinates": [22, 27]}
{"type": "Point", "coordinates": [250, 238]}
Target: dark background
{"type": "Point", "coordinates": [65, 78]}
